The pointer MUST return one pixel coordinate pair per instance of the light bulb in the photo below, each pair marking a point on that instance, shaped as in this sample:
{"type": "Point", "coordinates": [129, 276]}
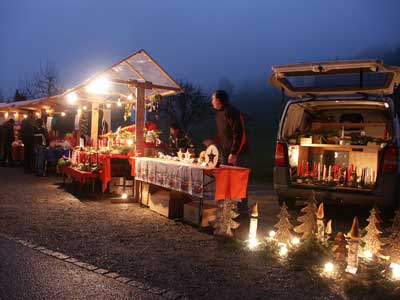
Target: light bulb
{"type": "Point", "coordinates": [72, 98]}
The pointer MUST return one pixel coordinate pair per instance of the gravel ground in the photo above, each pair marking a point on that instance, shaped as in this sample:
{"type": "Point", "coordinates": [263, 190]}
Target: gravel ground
{"type": "Point", "coordinates": [145, 246]}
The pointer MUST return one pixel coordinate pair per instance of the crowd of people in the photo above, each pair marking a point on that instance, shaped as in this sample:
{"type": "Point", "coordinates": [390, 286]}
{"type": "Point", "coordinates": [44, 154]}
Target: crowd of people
{"type": "Point", "coordinates": [34, 137]}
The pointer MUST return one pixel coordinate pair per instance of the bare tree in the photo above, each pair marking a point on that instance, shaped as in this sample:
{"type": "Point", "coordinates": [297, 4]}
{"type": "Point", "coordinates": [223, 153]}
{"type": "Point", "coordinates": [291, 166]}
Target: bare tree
{"type": "Point", "coordinates": [44, 83]}
{"type": "Point", "coordinates": [187, 108]}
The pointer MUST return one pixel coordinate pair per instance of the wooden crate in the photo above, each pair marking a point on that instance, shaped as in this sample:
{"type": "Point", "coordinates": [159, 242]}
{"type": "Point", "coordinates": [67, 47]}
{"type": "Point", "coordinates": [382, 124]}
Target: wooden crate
{"type": "Point", "coordinates": [191, 213]}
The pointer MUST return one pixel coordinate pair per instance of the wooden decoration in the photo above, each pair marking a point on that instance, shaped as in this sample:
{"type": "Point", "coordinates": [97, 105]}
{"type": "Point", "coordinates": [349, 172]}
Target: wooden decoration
{"type": "Point", "coordinates": [308, 226]}
{"type": "Point", "coordinates": [223, 222]}
{"type": "Point", "coordinates": [283, 227]}
{"type": "Point", "coordinates": [372, 239]}
{"type": "Point", "coordinates": [339, 248]}
{"type": "Point", "coordinates": [320, 222]}
{"type": "Point", "coordinates": [352, 256]}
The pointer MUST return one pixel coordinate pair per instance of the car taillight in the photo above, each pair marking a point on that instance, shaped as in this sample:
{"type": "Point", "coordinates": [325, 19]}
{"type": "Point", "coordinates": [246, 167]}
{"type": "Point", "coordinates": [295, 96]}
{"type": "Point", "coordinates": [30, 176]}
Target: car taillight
{"type": "Point", "coordinates": [280, 155]}
{"type": "Point", "coordinates": [390, 160]}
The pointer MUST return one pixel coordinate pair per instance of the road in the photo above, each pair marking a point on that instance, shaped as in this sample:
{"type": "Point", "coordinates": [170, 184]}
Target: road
{"type": "Point", "coordinates": [29, 274]}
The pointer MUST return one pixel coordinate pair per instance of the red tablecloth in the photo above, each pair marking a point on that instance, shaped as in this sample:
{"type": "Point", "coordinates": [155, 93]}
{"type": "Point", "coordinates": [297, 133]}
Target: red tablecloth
{"type": "Point", "coordinates": [230, 182]}
{"type": "Point", "coordinates": [105, 173]}
{"type": "Point", "coordinates": [80, 176]}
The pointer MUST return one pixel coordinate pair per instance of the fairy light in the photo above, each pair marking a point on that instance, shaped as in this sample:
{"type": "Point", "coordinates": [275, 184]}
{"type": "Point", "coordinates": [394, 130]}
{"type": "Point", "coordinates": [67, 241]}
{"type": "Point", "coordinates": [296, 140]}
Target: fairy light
{"type": "Point", "coordinates": [130, 97]}
{"type": "Point", "coordinates": [48, 110]}
{"type": "Point", "coordinates": [329, 268]}
{"type": "Point", "coordinates": [119, 103]}
{"type": "Point", "coordinates": [368, 254]}
{"type": "Point", "coordinates": [395, 270]}
{"type": "Point", "coordinates": [16, 115]}
{"type": "Point", "coordinates": [25, 116]}
{"type": "Point", "coordinates": [62, 114]}
{"type": "Point", "coordinates": [129, 142]}
{"type": "Point", "coordinates": [295, 241]}
{"type": "Point", "coordinates": [272, 234]}
{"type": "Point", "coordinates": [124, 196]}
{"type": "Point", "coordinates": [37, 114]}
{"type": "Point", "coordinates": [283, 250]}
{"type": "Point", "coordinates": [85, 107]}
{"type": "Point", "coordinates": [252, 243]}
{"type": "Point", "coordinates": [108, 105]}
{"type": "Point", "coordinates": [79, 111]}
{"type": "Point", "coordinates": [6, 115]}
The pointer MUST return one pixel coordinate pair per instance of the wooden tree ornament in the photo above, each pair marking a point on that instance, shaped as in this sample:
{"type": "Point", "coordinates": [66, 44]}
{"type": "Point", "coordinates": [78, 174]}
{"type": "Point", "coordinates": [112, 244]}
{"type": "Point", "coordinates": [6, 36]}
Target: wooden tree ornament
{"type": "Point", "coordinates": [223, 222]}
{"type": "Point", "coordinates": [372, 240]}
{"type": "Point", "coordinates": [283, 227]}
{"type": "Point", "coordinates": [308, 226]}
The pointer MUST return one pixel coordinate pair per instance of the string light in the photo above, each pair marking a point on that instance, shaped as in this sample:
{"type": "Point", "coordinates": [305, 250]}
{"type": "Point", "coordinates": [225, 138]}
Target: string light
{"type": "Point", "coordinates": [124, 196]}
{"type": "Point", "coordinates": [129, 142]}
{"type": "Point", "coordinates": [272, 234]}
{"type": "Point", "coordinates": [108, 105]}
{"type": "Point", "coordinates": [119, 102]}
{"type": "Point", "coordinates": [25, 116]}
{"type": "Point", "coordinates": [130, 97]}
{"type": "Point", "coordinates": [253, 243]}
{"type": "Point", "coordinates": [62, 114]}
{"type": "Point", "coordinates": [48, 110]}
{"type": "Point", "coordinates": [368, 254]}
{"type": "Point", "coordinates": [79, 111]}
{"type": "Point", "coordinates": [38, 114]}
{"type": "Point", "coordinates": [283, 250]}
{"type": "Point", "coordinates": [85, 107]}
{"type": "Point", "coordinates": [329, 268]}
{"type": "Point", "coordinates": [98, 86]}
{"type": "Point", "coordinates": [16, 115]}
{"type": "Point", "coordinates": [6, 115]}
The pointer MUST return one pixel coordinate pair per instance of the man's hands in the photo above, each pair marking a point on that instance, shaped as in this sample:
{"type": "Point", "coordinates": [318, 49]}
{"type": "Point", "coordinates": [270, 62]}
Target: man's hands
{"type": "Point", "coordinates": [208, 142]}
{"type": "Point", "coordinates": [232, 159]}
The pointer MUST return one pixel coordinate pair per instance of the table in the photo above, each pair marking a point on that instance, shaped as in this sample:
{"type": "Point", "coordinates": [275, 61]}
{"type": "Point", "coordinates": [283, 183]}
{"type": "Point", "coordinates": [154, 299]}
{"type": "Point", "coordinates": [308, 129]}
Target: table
{"type": "Point", "coordinates": [78, 175]}
{"type": "Point", "coordinates": [225, 182]}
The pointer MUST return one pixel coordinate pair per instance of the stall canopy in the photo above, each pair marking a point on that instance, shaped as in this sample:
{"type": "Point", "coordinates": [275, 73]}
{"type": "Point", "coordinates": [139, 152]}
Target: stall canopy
{"type": "Point", "coordinates": [134, 79]}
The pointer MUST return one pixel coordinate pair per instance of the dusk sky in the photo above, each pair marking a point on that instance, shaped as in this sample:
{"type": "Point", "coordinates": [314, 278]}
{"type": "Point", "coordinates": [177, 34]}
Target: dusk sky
{"type": "Point", "coordinates": [201, 41]}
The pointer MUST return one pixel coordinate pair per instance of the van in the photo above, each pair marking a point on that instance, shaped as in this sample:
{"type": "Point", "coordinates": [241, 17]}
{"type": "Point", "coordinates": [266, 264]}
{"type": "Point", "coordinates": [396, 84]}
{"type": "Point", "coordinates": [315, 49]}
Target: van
{"type": "Point", "coordinates": [339, 133]}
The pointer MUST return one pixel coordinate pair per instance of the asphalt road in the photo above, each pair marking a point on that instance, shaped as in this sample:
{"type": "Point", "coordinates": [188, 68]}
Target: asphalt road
{"type": "Point", "coordinates": [29, 274]}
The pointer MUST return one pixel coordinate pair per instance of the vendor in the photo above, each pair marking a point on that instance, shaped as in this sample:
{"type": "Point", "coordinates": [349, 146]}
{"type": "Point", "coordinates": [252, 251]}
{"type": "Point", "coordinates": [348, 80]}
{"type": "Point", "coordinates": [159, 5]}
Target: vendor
{"type": "Point", "coordinates": [178, 139]}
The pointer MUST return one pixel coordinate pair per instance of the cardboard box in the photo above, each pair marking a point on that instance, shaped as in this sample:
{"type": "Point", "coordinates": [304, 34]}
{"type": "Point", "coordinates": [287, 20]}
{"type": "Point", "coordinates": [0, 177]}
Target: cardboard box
{"type": "Point", "coordinates": [167, 203]}
{"type": "Point", "coordinates": [191, 213]}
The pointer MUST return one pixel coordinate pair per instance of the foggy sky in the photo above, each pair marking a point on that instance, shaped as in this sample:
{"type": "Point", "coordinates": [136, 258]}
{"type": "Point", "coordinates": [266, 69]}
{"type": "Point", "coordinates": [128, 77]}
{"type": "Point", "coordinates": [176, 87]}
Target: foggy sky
{"type": "Point", "coordinates": [202, 41]}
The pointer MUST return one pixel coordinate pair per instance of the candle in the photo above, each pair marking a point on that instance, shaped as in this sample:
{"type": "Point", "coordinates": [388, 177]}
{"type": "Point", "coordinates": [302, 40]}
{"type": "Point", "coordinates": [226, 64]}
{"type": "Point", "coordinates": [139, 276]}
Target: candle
{"type": "Point", "coordinates": [314, 169]}
{"type": "Point", "coordinates": [307, 168]}
{"type": "Point", "coordinates": [330, 173]}
{"type": "Point", "coordinates": [352, 257]}
{"type": "Point", "coordinates": [302, 168]}
{"type": "Point", "coordinates": [319, 171]}
{"type": "Point", "coordinates": [324, 173]}
{"type": "Point", "coordinates": [253, 226]}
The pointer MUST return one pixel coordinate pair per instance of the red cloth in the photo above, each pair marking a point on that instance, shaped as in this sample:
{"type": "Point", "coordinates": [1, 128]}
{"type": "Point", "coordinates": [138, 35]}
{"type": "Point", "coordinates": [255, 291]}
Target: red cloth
{"type": "Point", "coordinates": [230, 182]}
{"type": "Point", "coordinates": [80, 176]}
{"type": "Point", "coordinates": [132, 162]}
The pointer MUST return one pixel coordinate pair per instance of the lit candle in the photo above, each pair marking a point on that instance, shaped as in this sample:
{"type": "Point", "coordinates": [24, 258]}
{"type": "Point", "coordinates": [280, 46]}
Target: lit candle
{"type": "Point", "coordinates": [324, 173]}
{"type": "Point", "coordinates": [314, 172]}
{"type": "Point", "coordinates": [319, 171]}
{"type": "Point", "coordinates": [352, 257]}
{"type": "Point", "coordinates": [307, 169]}
{"type": "Point", "coordinates": [253, 223]}
{"type": "Point", "coordinates": [330, 173]}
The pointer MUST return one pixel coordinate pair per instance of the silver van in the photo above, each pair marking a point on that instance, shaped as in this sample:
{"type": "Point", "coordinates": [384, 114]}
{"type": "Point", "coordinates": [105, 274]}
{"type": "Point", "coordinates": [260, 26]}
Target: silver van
{"type": "Point", "coordinates": [339, 132]}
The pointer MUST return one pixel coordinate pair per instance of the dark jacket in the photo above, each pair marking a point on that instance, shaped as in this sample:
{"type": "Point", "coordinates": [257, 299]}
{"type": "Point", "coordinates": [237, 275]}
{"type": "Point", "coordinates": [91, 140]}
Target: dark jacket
{"type": "Point", "coordinates": [27, 131]}
{"type": "Point", "coordinates": [182, 141]}
{"type": "Point", "coordinates": [41, 136]}
{"type": "Point", "coordinates": [8, 134]}
{"type": "Point", "coordinates": [231, 131]}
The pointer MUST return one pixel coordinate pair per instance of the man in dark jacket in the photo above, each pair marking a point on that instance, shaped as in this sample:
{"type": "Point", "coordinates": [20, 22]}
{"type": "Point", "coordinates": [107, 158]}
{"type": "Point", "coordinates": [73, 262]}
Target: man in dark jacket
{"type": "Point", "coordinates": [41, 141]}
{"type": "Point", "coordinates": [27, 131]}
{"type": "Point", "coordinates": [231, 134]}
{"type": "Point", "coordinates": [8, 139]}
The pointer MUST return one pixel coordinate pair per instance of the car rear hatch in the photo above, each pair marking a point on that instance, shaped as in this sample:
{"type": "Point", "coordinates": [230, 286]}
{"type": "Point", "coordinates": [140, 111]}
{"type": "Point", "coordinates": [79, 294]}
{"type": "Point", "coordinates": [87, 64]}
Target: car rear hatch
{"type": "Point", "coordinates": [338, 133]}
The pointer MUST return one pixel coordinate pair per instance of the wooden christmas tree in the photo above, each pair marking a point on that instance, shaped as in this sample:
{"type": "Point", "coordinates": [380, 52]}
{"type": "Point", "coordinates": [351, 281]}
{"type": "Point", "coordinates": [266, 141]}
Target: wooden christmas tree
{"type": "Point", "coordinates": [372, 240]}
{"type": "Point", "coordinates": [339, 248]}
{"type": "Point", "coordinates": [283, 227]}
{"type": "Point", "coordinates": [308, 226]}
{"type": "Point", "coordinates": [223, 222]}
{"type": "Point", "coordinates": [393, 242]}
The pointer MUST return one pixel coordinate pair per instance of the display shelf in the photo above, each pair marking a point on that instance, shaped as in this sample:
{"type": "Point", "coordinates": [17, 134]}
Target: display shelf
{"type": "Point", "coordinates": [336, 147]}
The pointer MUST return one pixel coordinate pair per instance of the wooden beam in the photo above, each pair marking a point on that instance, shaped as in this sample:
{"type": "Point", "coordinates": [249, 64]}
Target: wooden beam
{"type": "Point", "coordinates": [134, 70]}
{"type": "Point", "coordinates": [146, 85]}
{"type": "Point", "coordinates": [139, 120]}
{"type": "Point", "coordinates": [95, 124]}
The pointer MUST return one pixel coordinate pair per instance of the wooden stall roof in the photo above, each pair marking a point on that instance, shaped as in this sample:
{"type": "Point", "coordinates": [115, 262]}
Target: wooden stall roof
{"type": "Point", "coordinates": [137, 69]}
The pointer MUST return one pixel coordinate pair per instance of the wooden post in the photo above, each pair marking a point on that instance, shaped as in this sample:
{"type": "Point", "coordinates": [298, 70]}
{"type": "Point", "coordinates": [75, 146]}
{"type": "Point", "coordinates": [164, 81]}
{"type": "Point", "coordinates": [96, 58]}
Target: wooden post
{"type": "Point", "coordinates": [139, 128]}
{"type": "Point", "coordinates": [95, 124]}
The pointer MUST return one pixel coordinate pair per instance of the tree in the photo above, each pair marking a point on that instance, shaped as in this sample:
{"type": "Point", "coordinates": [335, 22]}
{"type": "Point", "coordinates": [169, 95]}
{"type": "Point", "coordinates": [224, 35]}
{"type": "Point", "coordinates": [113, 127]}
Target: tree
{"type": "Point", "coordinates": [18, 96]}
{"type": "Point", "coordinates": [308, 226]}
{"type": "Point", "coordinates": [371, 239]}
{"type": "Point", "coordinates": [283, 227]}
{"type": "Point", "coordinates": [187, 108]}
{"type": "Point", "coordinates": [44, 83]}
